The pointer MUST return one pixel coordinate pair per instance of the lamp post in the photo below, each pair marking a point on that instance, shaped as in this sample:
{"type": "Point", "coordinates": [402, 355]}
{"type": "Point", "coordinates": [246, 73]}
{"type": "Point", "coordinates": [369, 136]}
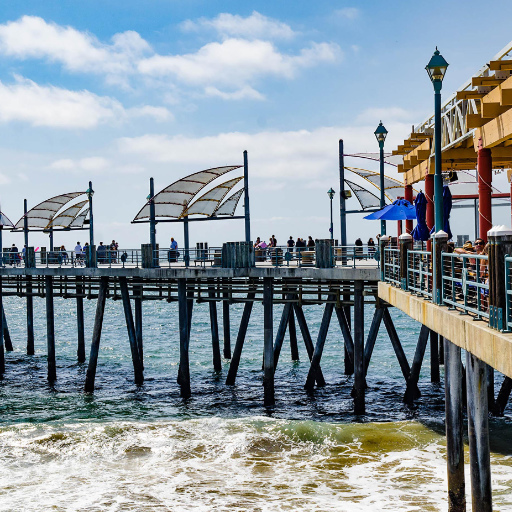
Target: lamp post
{"type": "Point", "coordinates": [380, 135]}
{"type": "Point", "coordinates": [90, 193]}
{"type": "Point", "coordinates": [331, 193]}
{"type": "Point", "coordinates": [436, 70]}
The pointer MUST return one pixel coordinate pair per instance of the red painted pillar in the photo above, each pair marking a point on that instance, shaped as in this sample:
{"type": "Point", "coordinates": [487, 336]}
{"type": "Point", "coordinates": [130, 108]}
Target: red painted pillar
{"type": "Point", "coordinates": [511, 202]}
{"type": "Point", "coordinates": [484, 168]}
{"type": "Point", "coordinates": [408, 197]}
{"type": "Point", "coordinates": [429, 193]}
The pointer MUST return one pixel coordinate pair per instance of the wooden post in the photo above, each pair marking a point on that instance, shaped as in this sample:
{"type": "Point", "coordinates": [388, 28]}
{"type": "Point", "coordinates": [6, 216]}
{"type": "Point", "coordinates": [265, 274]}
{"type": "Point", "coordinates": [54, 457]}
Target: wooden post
{"type": "Point", "coordinates": [372, 337]}
{"type": "Point", "coordinates": [96, 335]}
{"type": "Point", "coordinates": [184, 377]}
{"type": "Point", "coordinates": [292, 332]}
{"type": "Point", "coordinates": [138, 322]}
{"type": "Point", "coordinates": [405, 244]}
{"type": "Point", "coordinates": [281, 331]}
{"type": "Point", "coordinates": [347, 336]}
{"type": "Point", "coordinates": [217, 362]}
{"type": "Point", "coordinates": [408, 193]}
{"type": "Point", "coordinates": [349, 361]}
{"type": "Point", "coordinates": [359, 373]}
{"type": "Point", "coordinates": [7, 335]}
{"type": "Point", "coordinates": [454, 424]}
{"type": "Point", "coordinates": [237, 352]}
{"type": "Point", "coordinates": [268, 340]}
{"type": "Point", "coordinates": [503, 396]}
{"type": "Point", "coordinates": [416, 365]}
{"type": "Point", "coordinates": [2, 353]}
{"type": "Point", "coordinates": [130, 326]}
{"type": "Point", "coordinates": [478, 433]}
{"type": "Point", "coordinates": [434, 357]}
{"type": "Point", "coordinates": [30, 318]}
{"type": "Point", "coordinates": [80, 352]}
{"type": "Point", "coordinates": [440, 245]}
{"type": "Point", "coordinates": [441, 350]}
{"type": "Point", "coordinates": [226, 324]}
{"type": "Point", "coordinates": [50, 329]}
{"type": "Point", "coordinates": [319, 347]}
{"type": "Point", "coordinates": [308, 342]}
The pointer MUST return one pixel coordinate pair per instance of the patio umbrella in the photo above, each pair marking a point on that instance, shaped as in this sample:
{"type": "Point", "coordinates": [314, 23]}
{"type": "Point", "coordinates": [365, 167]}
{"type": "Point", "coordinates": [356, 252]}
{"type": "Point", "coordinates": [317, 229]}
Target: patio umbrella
{"type": "Point", "coordinates": [420, 232]}
{"type": "Point", "coordinates": [447, 208]}
{"type": "Point", "coordinates": [401, 209]}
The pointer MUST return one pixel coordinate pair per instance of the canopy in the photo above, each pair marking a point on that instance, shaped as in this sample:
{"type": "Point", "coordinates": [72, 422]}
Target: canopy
{"type": "Point", "coordinates": [211, 200]}
{"type": "Point", "coordinates": [78, 221]}
{"type": "Point", "coordinates": [228, 207]}
{"type": "Point", "coordinates": [392, 188]}
{"type": "Point", "coordinates": [41, 215]}
{"type": "Point", "coordinates": [5, 222]}
{"type": "Point", "coordinates": [65, 218]}
{"type": "Point", "coordinates": [173, 200]}
{"type": "Point", "coordinates": [366, 198]}
{"type": "Point", "coordinates": [401, 209]}
{"type": "Point", "coordinates": [420, 232]}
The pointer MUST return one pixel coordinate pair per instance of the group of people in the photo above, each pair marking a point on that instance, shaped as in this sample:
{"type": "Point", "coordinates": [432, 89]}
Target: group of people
{"type": "Point", "coordinates": [359, 250]}
{"type": "Point", "coordinates": [261, 244]}
{"type": "Point", "coordinates": [299, 244]}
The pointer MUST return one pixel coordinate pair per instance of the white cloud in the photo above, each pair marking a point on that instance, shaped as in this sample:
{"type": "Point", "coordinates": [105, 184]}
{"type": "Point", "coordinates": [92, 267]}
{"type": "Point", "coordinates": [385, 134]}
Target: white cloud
{"type": "Point", "coordinates": [236, 61]}
{"type": "Point", "coordinates": [33, 37]}
{"type": "Point", "coordinates": [245, 92]}
{"type": "Point", "coordinates": [94, 164]}
{"type": "Point", "coordinates": [255, 26]}
{"type": "Point", "coordinates": [157, 113]}
{"type": "Point", "coordinates": [349, 13]}
{"type": "Point", "coordinates": [387, 113]}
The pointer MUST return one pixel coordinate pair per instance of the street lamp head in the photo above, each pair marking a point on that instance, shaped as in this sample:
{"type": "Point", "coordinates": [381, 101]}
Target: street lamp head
{"type": "Point", "coordinates": [437, 67]}
{"type": "Point", "coordinates": [89, 192]}
{"type": "Point", "coordinates": [331, 193]}
{"type": "Point", "coordinates": [380, 133]}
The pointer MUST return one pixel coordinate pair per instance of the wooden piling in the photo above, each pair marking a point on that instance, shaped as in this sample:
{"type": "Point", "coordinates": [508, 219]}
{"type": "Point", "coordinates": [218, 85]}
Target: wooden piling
{"type": "Point", "coordinates": [292, 333]}
{"type": "Point", "coordinates": [217, 362]}
{"type": "Point", "coordinates": [359, 364]}
{"type": "Point", "coordinates": [308, 342]}
{"type": "Point", "coordinates": [281, 331]}
{"type": "Point", "coordinates": [441, 350]}
{"type": "Point", "coordinates": [347, 335]}
{"type": "Point", "coordinates": [226, 324]}
{"type": "Point", "coordinates": [349, 362]}
{"type": "Point", "coordinates": [503, 396]}
{"type": "Point", "coordinates": [490, 389]}
{"type": "Point", "coordinates": [478, 433]}
{"type": "Point", "coordinates": [434, 357]}
{"type": "Point", "coordinates": [183, 307]}
{"type": "Point", "coordinates": [80, 352]}
{"type": "Point", "coordinates": [50, 329]}
{"type": "Point", "coordinates": [372, 337]}
{"type": "Point", "coordinates": [319, 347]}
{"type": "Point", "coordinates": [138, 322]}
{"type": "Point", "coordinates": [96, 335]}
{"type": "Point", "coordinates": [130, 326]}
{"type": "Point", "coordinates": [2, 353]}
{"type": "Point", "coordinates": [268, 341]}
{"type": "Point", "coordinates": [414, 376]}
{"type": "Point", "coordinates": [30, 318]}
{"type": "Point", "coordinates": [454, 432]}
{"type": "Point", "coordinates": [7, 334]}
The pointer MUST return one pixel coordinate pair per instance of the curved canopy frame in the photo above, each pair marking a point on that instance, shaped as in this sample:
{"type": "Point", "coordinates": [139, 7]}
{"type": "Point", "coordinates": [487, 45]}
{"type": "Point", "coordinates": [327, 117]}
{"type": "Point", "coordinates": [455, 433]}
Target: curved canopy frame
{"type": "Point", "coordinates": [5, 222]}
{"type": "Point", "coordinates": [66, 218]}
{"type": "Point", "coordinates": [41, 215]}
{"type": "Point", "coordinates": [210, 201]}
{"type": "Point", "coordinates": [173, 200]}
{"type": "Point", "coordinates": [366, 198]}
{"type": "Point", "coordinates": [78, 221]}
{"type": "Point", "coordinates": [228, 207]}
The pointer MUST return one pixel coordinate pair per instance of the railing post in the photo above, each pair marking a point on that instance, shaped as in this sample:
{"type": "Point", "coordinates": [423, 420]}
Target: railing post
{"type": "Point", "coordinates": [383, 242]}
{"type": "Point", "coordinates": [502, 246]}
{"type": "Point", "coordinates": [405, 241]}
{"type": "Point", "coordinates": [439, 246]}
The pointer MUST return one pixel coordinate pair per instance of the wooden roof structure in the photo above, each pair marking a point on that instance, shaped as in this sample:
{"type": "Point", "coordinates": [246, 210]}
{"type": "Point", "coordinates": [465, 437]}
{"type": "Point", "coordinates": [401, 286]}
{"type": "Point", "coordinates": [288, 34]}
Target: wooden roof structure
{"type": "Point", "coordinates": [478, 115]}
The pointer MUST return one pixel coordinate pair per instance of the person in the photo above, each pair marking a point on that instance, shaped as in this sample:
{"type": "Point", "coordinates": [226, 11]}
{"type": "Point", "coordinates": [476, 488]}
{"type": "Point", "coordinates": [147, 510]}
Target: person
{"type": "Point", "coordinates": [262, 245]}
{"type": "Point", "coordinates": [173, 251]}
{"type": "Point", "coordinates": [14, 255]}
{"type": "Point", "coordinates": [258, 241]}
{"type": "Point", "coordinates": [63, 255]}
{"type": "Point", "coordinates": [311, 243]}
{"type": "Point", "coordinates": [114, 246]}
{"type": "Point", "coordinates": [101, 253]}
{"type": "Point", "coordinates": [359, 248]}
{"type": "Point", "coordinates": [79, 255]}
{"type": "Point", "coordinates": [290, 244]}
{"type": "Point", "coordinates": [273, 241]}
{"type": "Point", "coordinates": [371, 247]}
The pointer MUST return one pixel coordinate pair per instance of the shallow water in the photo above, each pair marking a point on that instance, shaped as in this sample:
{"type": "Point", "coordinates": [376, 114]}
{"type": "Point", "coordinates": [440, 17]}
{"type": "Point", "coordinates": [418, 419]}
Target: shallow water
{"type": "Point", "coordinates": [129, 448]}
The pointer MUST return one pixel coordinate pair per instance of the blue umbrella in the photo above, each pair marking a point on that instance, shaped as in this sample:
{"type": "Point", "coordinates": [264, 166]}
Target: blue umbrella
{"type": "Point", "coordinates": [420, 232]}
{"type": "Point", "coordinates": [447, 208]}
{"type": "Point", "coordinates": [401, 209]}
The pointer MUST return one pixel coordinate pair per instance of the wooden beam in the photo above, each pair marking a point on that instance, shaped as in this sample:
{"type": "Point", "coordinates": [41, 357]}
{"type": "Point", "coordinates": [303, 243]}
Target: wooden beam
{"type": "Point", "coordinates": [486, 81]}
{"type": "Point", "coordinates": [500, 65]}
{"type": "Point", "coordinates": [469, 95]}
{"type": "Point", "coordinates": [494, 132]}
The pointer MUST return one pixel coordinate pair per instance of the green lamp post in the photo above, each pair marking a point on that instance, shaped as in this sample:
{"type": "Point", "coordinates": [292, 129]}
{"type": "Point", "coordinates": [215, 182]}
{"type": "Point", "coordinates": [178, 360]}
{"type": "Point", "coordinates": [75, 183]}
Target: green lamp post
{"type": "Point", "coordinates": [331, 193]}
{"type": "Point", "coordinates": [381, 134]}
{"type": "Point", "coordinates": [91, 256]}
{"type": "Point", "coordinates": [436, 70]}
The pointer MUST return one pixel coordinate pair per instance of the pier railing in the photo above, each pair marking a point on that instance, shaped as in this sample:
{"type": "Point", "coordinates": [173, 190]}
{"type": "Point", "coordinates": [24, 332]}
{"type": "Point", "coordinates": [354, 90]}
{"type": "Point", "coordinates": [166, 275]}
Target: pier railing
{"type": "Point", "coordinates": [476, 284]}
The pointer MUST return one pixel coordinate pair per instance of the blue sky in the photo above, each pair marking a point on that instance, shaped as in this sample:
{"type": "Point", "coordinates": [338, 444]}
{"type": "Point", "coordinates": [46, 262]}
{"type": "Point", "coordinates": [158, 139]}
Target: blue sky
{"type": "Point", "coordinates": [116, 92]}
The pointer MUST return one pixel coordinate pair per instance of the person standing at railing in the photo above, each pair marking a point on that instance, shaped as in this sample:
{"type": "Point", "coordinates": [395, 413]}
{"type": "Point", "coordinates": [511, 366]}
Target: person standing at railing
{"type": "Point", "coordinates": [173, 251]}
{"type": "Point", "coordinates": [63, 255]}
{"type": "Point", "coordinates": [79, 254]}
{"type": "Point", "coordinates": [359, 248]}
{"type": "Point", "coordinates": [311, 243]}
{"type": "Point", "coordinates": [14, 259]}
{"type": "Point", "coordinates": [371, 247]}
{"type": "Point", "coordinates": [258, 241]}
{"type": "Point", "coordinates": [273, 241]}
{"type": "Point", "coordinates": [114, 246]}
{"type": "Point", "coordinates": [101, 253]}
{"type": "Point", "coordinates": [290, 244]}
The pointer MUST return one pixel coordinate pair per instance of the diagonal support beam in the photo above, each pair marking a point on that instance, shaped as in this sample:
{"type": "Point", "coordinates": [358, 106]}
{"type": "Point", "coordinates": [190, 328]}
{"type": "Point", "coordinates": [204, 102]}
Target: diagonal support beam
{"type": "Point", "coordinates": [412, 383]}
{"type": "Point", "coordinates": [372, 337]}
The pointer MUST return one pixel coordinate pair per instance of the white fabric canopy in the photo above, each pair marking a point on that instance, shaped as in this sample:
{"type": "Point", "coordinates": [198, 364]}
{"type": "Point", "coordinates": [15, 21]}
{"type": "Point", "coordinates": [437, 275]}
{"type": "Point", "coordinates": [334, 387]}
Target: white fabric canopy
{"type": "Point", "coordinates": [5, 221]}
{"type": "Point", "coordinates": [78, 221]}
{"type": "Point", "coordinates": [41, 215]}
{"type": "Point", "coordinates": [210, 201]}
{"type": "Point", "coordinates": [173, 200]}
{"type": "Point", "coordinates": [65, 218]}
{"type": "Point", "coordinates": [228, 207]}
{"type": "Point", "coordinates": [366, 198]}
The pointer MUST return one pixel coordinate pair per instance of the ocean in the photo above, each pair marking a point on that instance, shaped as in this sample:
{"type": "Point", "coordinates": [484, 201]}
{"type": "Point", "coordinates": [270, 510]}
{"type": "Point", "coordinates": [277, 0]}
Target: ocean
{"type": "Point", "coordinates": [126, 448]}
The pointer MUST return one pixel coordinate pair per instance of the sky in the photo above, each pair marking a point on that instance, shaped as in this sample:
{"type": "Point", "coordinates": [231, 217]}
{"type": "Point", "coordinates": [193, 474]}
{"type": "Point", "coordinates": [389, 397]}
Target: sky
{"type": "Point", "coordinates": [117, 92]}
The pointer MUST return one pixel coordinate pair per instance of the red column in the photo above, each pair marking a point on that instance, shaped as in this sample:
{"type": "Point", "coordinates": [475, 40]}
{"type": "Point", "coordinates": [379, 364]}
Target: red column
{"type": "Point", "coordinates": [511, 201]}
{"type": "Point", "coordinates": [484, 168]}
{"type": "Point", "coordinates": [429, 193]}
{"type": "Point", "coordinates": [408, 197]}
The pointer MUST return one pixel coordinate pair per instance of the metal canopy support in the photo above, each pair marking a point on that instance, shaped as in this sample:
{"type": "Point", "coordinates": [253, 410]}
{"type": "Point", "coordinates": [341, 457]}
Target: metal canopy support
{"type": "Point", "coordinates": [246, 200]}
{"type": "Point", "coordinates": [343, 213]}
{"type": "Point", "coordinates": [152, 222]}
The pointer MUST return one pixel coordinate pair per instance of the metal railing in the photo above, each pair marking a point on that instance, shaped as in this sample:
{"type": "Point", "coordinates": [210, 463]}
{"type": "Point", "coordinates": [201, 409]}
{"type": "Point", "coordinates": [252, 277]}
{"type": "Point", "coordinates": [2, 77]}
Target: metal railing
{"type": "Point", "coordinates": [419, 272]}
{"type": "Point", "coordinates": [465, 283]}
{"type": "Point", "coordinates": [391, 269]}
{"type": "Point", "coordinates": [508, 293]}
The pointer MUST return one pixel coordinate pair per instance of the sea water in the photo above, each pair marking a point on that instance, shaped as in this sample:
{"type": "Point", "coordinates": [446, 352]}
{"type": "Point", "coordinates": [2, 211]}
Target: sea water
{"type": "Point", "coordinates": [144, 448]}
